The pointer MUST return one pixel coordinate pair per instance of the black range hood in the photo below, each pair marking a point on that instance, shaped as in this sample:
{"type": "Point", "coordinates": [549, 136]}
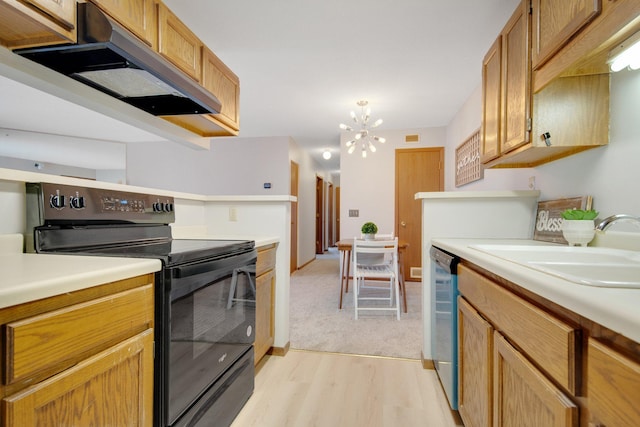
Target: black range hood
{"type": "Point", "coordinates": [112, 60]}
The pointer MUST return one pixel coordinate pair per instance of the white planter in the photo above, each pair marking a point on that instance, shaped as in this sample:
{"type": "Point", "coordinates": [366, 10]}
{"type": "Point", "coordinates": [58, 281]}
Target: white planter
{"type": "Point", "coordinates": [369, 236]}
{"type": "Point", "coordinates": [578, 232]}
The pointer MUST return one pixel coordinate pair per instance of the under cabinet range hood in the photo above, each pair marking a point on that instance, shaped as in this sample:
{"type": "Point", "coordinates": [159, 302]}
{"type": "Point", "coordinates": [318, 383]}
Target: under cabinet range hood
{"type": "Point", "coordinates": [112, 60]}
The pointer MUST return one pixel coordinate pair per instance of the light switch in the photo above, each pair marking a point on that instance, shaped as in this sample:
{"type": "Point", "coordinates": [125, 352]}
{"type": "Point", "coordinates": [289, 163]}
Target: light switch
{"type": "Point", "coordinates": [354, 213]}
{"type": "Point", "coordinates": [233, 214]}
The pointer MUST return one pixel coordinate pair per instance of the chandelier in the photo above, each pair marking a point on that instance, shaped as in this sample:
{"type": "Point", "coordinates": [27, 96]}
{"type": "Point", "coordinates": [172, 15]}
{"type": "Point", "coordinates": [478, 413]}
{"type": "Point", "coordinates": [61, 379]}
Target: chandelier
{"type": "Point", "coordinates": [363, 136]}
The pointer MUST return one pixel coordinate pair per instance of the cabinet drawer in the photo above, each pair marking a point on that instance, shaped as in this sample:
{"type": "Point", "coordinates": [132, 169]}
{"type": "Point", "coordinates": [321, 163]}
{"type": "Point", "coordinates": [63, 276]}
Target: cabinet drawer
{"type": "Point", "coordinates": [266, 259]}
{"type": "Point", "coordinates": [547, 341]}
{"type": "Point", "coordinates": [613, 387]}
{"type": "Point", "coordinates": [51, 342]}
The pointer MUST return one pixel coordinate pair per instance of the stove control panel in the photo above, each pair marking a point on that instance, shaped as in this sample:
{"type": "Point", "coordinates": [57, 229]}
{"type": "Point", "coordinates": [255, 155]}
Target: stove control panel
{"type": "Point", "coordinates": [64, 203]}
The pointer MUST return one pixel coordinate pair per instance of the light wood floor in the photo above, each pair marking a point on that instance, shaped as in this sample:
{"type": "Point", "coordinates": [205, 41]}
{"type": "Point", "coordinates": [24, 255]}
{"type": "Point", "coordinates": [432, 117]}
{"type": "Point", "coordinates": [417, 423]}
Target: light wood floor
{"type": "Point", "coordinates": [305, 389]}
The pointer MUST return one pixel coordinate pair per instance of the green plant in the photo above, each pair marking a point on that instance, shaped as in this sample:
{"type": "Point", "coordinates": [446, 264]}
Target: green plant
{"type": "Point", "coordinates": [578, 214]}
{"type": "Point", "coordinates": [369, 228]}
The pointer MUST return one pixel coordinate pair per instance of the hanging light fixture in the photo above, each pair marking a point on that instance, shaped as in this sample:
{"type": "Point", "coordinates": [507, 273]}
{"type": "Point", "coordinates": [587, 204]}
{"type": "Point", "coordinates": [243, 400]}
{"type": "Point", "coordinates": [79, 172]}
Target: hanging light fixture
{"type": "Point", "coordinates": [363, 135]}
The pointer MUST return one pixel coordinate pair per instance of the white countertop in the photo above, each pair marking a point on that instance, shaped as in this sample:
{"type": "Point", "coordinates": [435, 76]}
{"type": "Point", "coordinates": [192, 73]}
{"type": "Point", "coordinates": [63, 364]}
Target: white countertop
{"type": "Point", "coordinates": [614, 308]}
{"type": "Point", "coordinates": [29, 277]}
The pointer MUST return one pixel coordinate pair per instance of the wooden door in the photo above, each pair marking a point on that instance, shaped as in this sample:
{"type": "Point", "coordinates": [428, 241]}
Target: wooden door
{"type": "Point", "coordinates": [337, 214]}
{"type": "Point", "coordinates": [330, 217]}
{"type": "Point", "coordinates": [516, 80]}
{"type": "Point", "coordinates": [293, 256]}
{"type": "Point", "coordinates": [319, 215]}
{"type": "Point", "coordinates": [475, 350]}
{"type": "Point", "coordinates": [523, 396]}
{"type": "Point", "coordinates": [417, 170]}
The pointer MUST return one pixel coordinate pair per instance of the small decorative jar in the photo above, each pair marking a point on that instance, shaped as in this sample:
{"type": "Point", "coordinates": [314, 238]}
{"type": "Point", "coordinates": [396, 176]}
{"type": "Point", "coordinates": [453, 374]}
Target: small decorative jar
{"type": "Point", "coordinates": [578, 232]}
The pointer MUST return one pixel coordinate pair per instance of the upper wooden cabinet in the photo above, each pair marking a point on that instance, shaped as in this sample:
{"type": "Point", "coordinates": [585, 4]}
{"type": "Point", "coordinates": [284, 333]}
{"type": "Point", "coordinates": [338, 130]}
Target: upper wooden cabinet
{"type": "Point", "coordinates": [218, 79]}
{"type": "Point", "coordinates": [138, 16]}
{"type": "Point", "coordinates": [178, 44]}
{"type": "Point", "coordinates": [555, 22]}
{"type": "Point", "coordinates": [506, 88]}
{"type": "Point", "coordinates": [580, 36]}
{"type": "Point", "coordinates": [29, 23]}
{"type": "Point", "coordinates": [525, 129]}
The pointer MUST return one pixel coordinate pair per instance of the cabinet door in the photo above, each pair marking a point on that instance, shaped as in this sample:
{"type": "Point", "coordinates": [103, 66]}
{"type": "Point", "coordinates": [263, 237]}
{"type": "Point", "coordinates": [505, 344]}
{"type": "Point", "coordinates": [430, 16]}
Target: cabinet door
{"type": "Point", "coordinates": [178, 44]}
{"type": "Point", "coordinates": [218, 79]}
{"type": "Point", "coordinates": [138, 16]}
{"type": "Point", "coordinates": [491, 76]}
{"type": "Point", "coordinates": [613, 388]}
{"type": "Point", "coordinates": [61, 11]}
{"type": "Point", "coordinates": [112, 388]}
{"type": "Point", "coordinates": [516, 80]}
{"type": "Point", "coordinates": [265, 300]}
{"type": "Point", "coordinates": [475, 345]}
{"type": "Point", "coordinates": [523, 396]}
{"type": "Point", "coordinates": [555, 22]}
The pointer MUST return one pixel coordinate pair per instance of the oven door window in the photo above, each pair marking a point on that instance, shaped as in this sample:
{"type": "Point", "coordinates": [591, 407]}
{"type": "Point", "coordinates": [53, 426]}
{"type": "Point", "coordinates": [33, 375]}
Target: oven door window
{"type": "Point", "coordinates": [212, 322]}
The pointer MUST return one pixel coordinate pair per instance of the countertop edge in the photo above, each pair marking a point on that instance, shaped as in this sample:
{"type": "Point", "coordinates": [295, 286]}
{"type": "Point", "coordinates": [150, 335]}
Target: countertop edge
{"type": "Point", "coordinates": [613, 308]}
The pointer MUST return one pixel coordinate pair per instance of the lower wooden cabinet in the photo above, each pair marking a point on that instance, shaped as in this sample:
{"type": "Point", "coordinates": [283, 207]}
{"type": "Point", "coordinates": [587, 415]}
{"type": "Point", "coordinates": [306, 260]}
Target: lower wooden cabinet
{"type": "Point", "coordinates": [112, 388]}
{"type": "Point", "coordinates": [523, 396]}
{"type": "Point", "coordinates": [80, 359]}
{"type": "Point", "coordinates": [475, 376]}
{"type": "Point", "coordinates": [613, 389]}
{"type": "Point", "coordinates": [265, 300]}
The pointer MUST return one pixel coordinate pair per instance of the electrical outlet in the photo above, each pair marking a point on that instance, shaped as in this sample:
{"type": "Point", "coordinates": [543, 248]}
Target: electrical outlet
{"type": "Point", "coordinates": [233, 214]}
{"type": "Point", "coordinates": [532, 182]}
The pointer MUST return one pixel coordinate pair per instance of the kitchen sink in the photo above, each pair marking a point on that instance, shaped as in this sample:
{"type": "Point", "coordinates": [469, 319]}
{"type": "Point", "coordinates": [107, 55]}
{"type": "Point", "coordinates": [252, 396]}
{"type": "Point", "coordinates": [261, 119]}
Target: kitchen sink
{"type": "Point", "coordinates": [593, 266]}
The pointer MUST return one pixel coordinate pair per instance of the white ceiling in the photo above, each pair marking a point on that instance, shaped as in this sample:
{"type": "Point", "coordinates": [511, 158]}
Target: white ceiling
{"type": "Point", "coordinates": [303, 65]}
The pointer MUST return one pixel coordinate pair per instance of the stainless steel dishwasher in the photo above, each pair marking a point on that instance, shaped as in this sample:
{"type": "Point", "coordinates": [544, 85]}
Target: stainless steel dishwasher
{"type": "Point", "coordinates": [444, 320]}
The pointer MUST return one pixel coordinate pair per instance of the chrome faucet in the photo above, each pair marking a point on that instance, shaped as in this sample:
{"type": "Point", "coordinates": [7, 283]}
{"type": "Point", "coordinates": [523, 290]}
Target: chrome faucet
{"type": "Point", "coordinates": [607, 222]}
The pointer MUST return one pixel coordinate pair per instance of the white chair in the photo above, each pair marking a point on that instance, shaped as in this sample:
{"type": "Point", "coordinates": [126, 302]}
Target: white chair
{"type": "Point", "coordinates": [365, 274]}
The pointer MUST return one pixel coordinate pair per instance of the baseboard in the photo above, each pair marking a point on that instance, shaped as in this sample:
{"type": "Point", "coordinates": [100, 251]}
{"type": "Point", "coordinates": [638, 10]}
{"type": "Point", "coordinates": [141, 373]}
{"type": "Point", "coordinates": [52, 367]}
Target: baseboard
{"type": "Point", "coordinates": [307, 263]}
{"type": "Point", "coordinates": [426, 363]}
{"type": "Point", "coordinates": [279, 351]}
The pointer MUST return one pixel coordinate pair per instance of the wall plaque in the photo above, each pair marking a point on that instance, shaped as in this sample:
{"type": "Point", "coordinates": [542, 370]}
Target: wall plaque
{"type": "Point", "coordinates": [468, 166]}
{"type": "Point", "coordinates": [548, 227]}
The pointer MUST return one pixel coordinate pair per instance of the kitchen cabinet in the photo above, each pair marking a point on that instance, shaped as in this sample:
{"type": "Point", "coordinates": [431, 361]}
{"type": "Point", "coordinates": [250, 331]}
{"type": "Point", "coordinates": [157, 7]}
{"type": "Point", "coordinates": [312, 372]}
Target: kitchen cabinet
{"type": "Point", "coordinates": [506, 91]}
{"type": "Point", "coordinates": [27, 23]}
{"type": "Point", "coordinates": [613, 388]}
{"type": "Point", "coordinates": [516, 361]}
{"type": "Point", "coordinates": [265, 300]}
{"type": "Point", "coordinates": [555, 22]}
{"type": "Point", "coordinates": [138, 16]}
{"type": "Point", "coordinates": [218, 79]}
{"type": "Point", "coordinates": [595, 34]}
{"type": "Point", "coordinates": [523, 129]}
{"type": "Point", "coordinates": [178, 44]}
{"type": "Point", "coordinates": [82, 358]}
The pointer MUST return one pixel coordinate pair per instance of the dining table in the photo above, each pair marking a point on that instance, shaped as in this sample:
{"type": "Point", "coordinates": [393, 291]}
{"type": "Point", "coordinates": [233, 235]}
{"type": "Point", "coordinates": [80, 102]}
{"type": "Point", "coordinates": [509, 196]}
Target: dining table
{"type": "Point", "coordinates": [345, 247]}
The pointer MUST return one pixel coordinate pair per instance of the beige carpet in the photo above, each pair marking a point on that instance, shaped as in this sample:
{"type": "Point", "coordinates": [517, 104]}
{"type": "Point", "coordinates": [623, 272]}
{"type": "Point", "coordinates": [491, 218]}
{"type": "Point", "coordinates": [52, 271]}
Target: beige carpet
{"type": "Point", "coordinates": [318, 324]}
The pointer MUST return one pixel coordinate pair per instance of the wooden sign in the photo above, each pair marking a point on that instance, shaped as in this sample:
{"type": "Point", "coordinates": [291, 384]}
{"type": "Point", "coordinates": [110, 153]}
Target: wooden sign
{"type": "Point", "coordinates": [468, 166]}
{"type": "Point", "coordinates": [548, 227]}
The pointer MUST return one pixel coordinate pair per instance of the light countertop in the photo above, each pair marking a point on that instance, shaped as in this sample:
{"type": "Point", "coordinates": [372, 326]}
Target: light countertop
{"type": "Point", "coordinates": [29, 277]}
{"type": "Point", "coordinates": [615, 308]}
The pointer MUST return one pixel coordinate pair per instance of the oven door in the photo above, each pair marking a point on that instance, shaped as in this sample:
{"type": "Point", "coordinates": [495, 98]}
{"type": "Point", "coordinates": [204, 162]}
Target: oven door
{"type": "Point", "coordinates": [210, 309]}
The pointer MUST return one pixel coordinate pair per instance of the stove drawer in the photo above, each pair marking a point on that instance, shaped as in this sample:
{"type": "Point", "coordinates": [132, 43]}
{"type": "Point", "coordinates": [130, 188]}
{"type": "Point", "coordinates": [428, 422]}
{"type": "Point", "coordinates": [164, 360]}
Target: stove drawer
{"type": "Point", "coordinates": [51, 342]}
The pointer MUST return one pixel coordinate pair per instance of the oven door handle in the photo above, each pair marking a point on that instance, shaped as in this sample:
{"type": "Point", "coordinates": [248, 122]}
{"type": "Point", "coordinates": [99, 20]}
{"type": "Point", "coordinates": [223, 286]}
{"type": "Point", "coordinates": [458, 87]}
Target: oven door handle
{"type": "Point", "coordinates": [226, 265]}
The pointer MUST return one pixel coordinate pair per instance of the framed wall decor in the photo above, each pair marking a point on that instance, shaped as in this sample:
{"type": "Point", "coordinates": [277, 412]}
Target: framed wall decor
{"type": "Point", "coordinates": [548, 226]}
{"type": "Point", "coordinates": [468, 166]}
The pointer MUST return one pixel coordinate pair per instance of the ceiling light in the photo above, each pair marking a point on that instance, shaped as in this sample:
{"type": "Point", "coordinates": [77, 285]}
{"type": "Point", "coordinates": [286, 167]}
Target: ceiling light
{"type": "Point", "coordinates": [363, 134]}
{"type": "Point", "coordinates": [326, 154]}
{"type": "Point", "coordinates": [626, 55]}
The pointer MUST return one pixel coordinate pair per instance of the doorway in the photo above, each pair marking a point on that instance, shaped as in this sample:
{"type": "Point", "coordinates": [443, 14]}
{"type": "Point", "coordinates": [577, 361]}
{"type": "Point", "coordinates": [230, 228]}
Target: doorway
{"type": "Point", "coordinates": [417, 170]}
{"type": "Point", "coordinates": [293, 258]}
{"type": "Point", "coordinates": [319, 215]}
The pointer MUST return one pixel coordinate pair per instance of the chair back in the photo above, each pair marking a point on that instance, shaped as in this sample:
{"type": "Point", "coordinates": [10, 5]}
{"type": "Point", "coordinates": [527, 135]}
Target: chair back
{"type": "Point", "coordinates": [372, 252]}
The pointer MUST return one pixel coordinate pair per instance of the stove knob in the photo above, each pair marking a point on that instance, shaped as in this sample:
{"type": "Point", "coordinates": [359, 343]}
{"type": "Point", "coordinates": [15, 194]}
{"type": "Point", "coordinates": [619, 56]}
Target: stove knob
{"type": "Point", "coordinates": [168, 207]}
{"type": "Point", "coordinates": [57, 201]}
{"type": "Point", "coordinates": [76, 202]}
{"type": "Point", "coordinates": [158, 207]}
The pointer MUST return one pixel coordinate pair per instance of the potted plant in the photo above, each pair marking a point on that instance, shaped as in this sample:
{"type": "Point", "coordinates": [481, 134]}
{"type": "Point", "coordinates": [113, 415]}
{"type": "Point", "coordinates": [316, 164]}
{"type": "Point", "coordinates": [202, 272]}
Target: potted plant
{"type": "Point", "coordinates": [578, 226]}
{"type": "Point", "coordinates": [369, 230]}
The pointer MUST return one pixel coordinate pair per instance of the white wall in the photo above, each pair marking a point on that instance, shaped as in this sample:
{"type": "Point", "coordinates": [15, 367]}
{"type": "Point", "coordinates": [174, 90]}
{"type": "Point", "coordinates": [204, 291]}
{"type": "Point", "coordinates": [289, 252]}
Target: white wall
{"type": "Point", "coordinates": [368, 185]}
{"type": "Point", "coordinates": [233, 166]}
